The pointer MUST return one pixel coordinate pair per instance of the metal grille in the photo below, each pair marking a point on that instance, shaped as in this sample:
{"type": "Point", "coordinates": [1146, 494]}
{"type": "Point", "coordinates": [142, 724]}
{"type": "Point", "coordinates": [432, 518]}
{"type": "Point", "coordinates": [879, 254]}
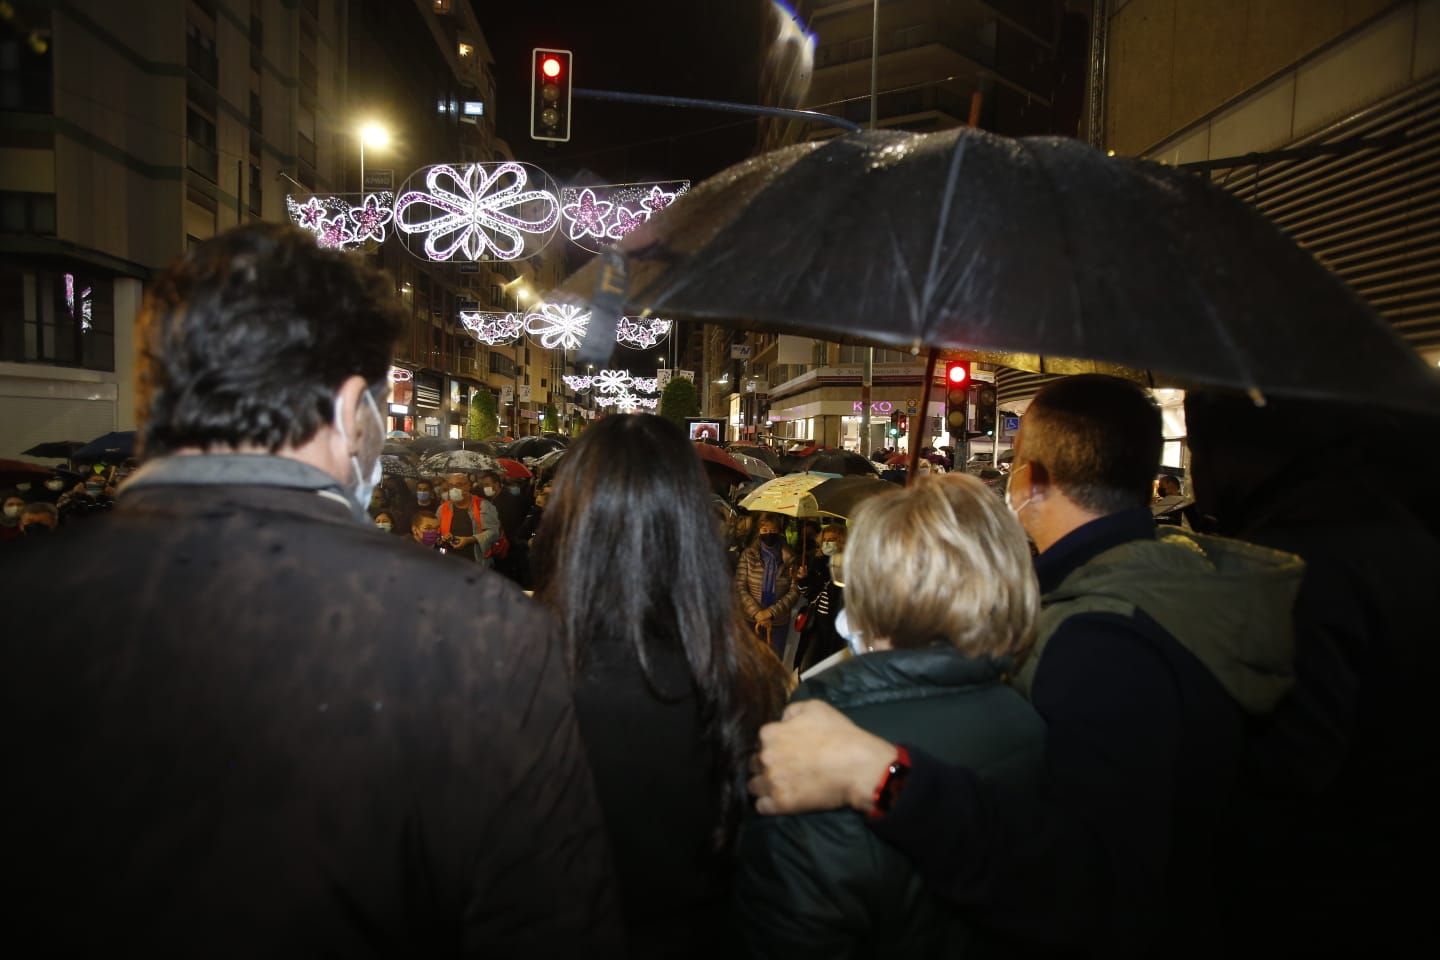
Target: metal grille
{"type": "Point", "coordinates": [1372, 216]}
{"type": "Point", "coordinates": [1012, 385]}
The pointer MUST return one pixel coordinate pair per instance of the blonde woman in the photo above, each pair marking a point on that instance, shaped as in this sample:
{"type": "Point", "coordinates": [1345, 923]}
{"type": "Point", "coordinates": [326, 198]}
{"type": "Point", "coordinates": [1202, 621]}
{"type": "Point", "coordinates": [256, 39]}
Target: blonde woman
{"type": "Point", "coordinates": [942, 602]}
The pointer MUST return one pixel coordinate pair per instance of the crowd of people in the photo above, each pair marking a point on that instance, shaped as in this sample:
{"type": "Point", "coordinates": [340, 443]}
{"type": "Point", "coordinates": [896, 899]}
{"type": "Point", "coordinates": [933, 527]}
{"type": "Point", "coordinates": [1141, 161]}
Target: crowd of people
{"type": "Point", "coordinates": [35, 509]}
{"type": "Point", "coordinates": [1032, 724]}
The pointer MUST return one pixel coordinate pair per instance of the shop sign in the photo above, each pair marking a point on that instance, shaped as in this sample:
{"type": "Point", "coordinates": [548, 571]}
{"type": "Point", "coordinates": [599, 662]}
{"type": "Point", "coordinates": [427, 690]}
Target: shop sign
{"type": "Point", "coordinates": [876, 406]}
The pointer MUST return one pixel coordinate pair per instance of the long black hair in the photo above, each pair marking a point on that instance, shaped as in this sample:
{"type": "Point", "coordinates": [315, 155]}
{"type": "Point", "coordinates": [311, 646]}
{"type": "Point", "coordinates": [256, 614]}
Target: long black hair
{"type": "Point", "coordinates": [627, 555]}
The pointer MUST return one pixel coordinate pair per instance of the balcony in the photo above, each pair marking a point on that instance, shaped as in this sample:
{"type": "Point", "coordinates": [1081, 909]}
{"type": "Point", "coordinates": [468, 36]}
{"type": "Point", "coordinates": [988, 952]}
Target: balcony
{"type": "Point", "coordinates": [201, 60]}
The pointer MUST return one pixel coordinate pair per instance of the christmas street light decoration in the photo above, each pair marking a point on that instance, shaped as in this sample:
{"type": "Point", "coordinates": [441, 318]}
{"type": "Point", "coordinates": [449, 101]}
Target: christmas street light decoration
{"type": "Point", "coordinates": [613, 381]}
{"type": "Point", "coordinates": [642, 333]}
{"type": "Point", "coordinates": [597, 216]}
{"type": "Point", "coordinates": [478, 211]}
{"type": "Point", "coordinates": [558, 325]}
{"type": "Point", "coordinates": [493, 329]}
{"type": "Point", "coordinates": [577, 383]}
{"type": "Point", "coordinates": [344, 221]}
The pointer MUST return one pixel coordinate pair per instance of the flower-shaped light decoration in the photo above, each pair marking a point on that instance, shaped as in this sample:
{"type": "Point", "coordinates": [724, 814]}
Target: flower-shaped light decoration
{"type": "Point", "coordinates": [371, 218]}
{"type": "Point", "coordinates": [463, 212]}
{"type": "Point", "coordinates": [334, 233]}
{"type": "Point", "coordinates": [628, 402]}
{"type": "Point", "coordinates": [597, 216]}
{"type": "Point", "coordinates": [558, 325]}
{"type": "Point", "coordinates": [658, 199]}
{"type": "Point", "coordinates": [577, 383]}
{"type": "Point", "coordinates": [400, 375]}
{"type": "Point", "coordinates": [587, 216]}
{"type": "Point", "coordinates": [493, 329]}
{"type": "Point", "coordinates": [613, 381]}
{"type": "Point", "coordinates": [308, 214]}
{"type": "Point", "coordinates": [625, 221]}
{"type": "Point", "coordinates": [642, 333]}
{"type": "Point", "coordinates": [645, 384]}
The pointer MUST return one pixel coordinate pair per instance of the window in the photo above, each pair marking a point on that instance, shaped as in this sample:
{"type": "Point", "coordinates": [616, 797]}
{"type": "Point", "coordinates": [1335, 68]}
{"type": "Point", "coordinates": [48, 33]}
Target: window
{"type": "Point", "coordinates": [501, 364]}
{"type": "Point", "coordinates": [25, 73]}
{"type": "Point", "coordinates": [200, 155]}
{"type": "Point", "coordinates": [255, 189]}
{"type": "Point", "coordinates": [200, 54]}
{"type": "Point", "coordinates": [59, 317]}
{"type": "Point", "coordinates": [257, 114]}
{"type": "Point", "coordinates": [27, 213]}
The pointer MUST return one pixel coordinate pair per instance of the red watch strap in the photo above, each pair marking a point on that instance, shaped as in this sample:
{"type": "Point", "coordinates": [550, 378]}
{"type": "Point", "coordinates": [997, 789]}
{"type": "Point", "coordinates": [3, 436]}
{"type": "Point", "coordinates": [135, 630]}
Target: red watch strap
{"type": "Point", "coordinates": [889, 786]}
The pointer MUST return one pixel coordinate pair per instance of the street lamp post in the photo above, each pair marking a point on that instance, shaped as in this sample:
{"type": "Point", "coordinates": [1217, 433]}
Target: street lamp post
{"type": "Point", "coordinates": [376, 136]}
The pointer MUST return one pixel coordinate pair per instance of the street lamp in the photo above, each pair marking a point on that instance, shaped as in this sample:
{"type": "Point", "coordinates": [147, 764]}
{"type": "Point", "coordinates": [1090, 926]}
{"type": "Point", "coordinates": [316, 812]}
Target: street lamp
{"type": "Point", "coordinates": [374, 135]}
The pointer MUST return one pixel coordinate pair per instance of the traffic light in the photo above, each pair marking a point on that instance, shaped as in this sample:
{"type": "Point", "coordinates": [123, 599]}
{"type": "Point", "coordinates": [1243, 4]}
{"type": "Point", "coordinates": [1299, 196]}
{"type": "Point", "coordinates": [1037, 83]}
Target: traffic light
{"type": "Point", "coordinates": [897, 424]}
{"type": "Point", "coordinates": [985, 409]}
{"type": "Point", "coordinates": [550, 94]}
{"type": "Point", "coordinates": [957, 396]}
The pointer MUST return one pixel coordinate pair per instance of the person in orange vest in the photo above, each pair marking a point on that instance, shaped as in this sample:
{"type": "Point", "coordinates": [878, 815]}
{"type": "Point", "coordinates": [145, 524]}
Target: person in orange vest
{"type": "Point", "coordinates": [470, 525]}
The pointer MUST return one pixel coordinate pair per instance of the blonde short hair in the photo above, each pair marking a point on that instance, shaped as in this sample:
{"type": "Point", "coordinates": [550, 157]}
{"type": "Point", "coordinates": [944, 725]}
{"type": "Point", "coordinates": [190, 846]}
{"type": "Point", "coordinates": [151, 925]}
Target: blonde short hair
{"type": "Point", "coordinates": [942, 561]}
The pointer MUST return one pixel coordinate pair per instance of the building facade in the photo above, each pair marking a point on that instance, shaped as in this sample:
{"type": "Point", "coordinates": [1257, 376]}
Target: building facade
{"type": "Point", "coordinates": [127, 132]}
{"type": "Point", "coordinates": [1322, 114]}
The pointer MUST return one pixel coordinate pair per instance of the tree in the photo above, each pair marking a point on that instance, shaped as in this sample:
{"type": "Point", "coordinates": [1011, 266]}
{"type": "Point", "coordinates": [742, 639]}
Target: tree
{"type": "Point", "coordinates": [484, 416]}
{"type": "Point", "coordinates": [679, 401]}
{"type": "Point", "coordinates": [550, 419]}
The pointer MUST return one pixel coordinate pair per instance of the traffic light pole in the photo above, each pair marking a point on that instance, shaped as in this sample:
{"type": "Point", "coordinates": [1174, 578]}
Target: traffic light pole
{"type": "Point", "coordinates": [924, 411]}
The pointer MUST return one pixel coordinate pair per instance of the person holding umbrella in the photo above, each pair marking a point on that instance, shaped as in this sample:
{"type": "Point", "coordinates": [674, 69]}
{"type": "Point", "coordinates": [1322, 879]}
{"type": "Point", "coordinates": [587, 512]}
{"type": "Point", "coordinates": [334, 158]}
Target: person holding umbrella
{"type": "Point", "coordinates": [766, 587]}
{"type": "Point", "coordinates": [469, 525]}
{"type": "Point", "coordinates": [824, 591]}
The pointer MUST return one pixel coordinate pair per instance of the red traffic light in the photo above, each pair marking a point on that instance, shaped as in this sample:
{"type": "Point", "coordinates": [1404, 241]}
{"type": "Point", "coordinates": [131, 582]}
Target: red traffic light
{"type": "Point", "coordinates": [957, 374]}
{"type": "Point", "coordinates": [550, 66]}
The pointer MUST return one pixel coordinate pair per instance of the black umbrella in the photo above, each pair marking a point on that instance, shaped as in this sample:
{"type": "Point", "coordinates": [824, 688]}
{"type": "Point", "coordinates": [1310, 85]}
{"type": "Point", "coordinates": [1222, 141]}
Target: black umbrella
{"type": "Point", "coordinates": [1032, 249]}
{"type": "Point", "coordinates": [531, 448]}
{"type": "Point", "coordinates": [110, 448]}
{"type": "Point", "coordinates": [758, 451]}
{"type": "Point", "coordinates": [394, 465]}
{"type": "Point", "coordinates": [55, 450]}
{"type": "Point", "coordinates": [843, 463]}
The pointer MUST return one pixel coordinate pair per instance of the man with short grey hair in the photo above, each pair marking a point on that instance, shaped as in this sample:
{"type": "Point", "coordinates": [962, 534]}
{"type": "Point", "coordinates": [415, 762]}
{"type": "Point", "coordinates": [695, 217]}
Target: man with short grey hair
{"type": "Point", "coordinates": [1152, 653]}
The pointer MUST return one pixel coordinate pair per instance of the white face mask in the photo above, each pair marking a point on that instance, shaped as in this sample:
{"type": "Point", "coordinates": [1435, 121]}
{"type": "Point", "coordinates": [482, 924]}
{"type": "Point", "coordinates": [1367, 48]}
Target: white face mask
{"type": "Point", "coordinates": [13, 510]}
{"type": "Point", "coordinates": [364, 485]}
{"type": "Point", "coordinates": [383, 526]}
{"type": "Point", "coordinates": [1011, 503]}
{"type": "Point", "coordinates": [455, 494]}
{"type": "Point", "coordinates": [490, 491]}
{"type": "Point", "coordinates": [829, 548]}
{"type": "Point", "coordinates": [54, 484]}
{"type": "Point", "coordinates": [853, 638]}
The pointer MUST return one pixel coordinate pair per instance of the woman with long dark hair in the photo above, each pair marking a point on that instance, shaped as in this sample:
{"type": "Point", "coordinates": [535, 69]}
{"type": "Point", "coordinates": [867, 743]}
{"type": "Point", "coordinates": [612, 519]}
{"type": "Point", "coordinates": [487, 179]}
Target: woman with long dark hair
{"type": "Point", "coordinates": [670, 686]}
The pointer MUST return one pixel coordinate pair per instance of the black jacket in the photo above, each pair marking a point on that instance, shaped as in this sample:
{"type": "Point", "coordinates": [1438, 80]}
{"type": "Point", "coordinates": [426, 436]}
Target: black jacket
{"type": "Point", "coordinates": [820, 885]}
{"type": "Point", "coordinates": [239, 723]}
{"type": "Point", "coordinates": [1143, 750]}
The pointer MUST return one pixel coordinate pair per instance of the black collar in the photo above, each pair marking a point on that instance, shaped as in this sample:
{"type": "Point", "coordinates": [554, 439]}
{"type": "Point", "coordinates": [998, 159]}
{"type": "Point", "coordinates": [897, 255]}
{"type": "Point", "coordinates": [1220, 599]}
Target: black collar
{"type": "Point", "coordinates": [1083, 544]}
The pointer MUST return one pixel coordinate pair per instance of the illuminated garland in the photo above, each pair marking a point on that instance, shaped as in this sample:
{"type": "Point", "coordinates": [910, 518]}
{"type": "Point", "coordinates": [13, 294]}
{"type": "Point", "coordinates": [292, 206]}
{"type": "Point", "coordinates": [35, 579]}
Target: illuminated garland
{"type": "Point", "coordinates": [493, 329]}
{"type": "Point", "coordinates": [462, 212]}
{"type": "Point", "coordinates": [641, 333]}
{"type": "Point", "coordinates": [339, 222]}
{"type": "Point", "coordinates": [558, 325]}
{"type": "Point", "coordinates": [628, 403]}
{"type": "Point", "coordinates": [596, 217]}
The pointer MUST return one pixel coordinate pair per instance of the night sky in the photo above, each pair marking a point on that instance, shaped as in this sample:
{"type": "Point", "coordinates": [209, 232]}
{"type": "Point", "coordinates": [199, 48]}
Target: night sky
{"type": "Point", "coordinates": [695, 48]}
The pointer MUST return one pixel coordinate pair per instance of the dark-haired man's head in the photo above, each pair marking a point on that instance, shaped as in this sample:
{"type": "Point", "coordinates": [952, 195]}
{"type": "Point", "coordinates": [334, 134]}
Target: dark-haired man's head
{"type": "Point", "coordinates": [1167, 486]}
{"type": "Point", "coordinates": [259, 341]}
{"type": "Point", "coordinates": [1087, 447]}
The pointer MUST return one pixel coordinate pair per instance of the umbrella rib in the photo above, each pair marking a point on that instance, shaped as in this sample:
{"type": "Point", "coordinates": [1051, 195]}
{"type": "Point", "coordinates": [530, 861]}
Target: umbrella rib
{"type": "Point", "coordinates": [957, 160]}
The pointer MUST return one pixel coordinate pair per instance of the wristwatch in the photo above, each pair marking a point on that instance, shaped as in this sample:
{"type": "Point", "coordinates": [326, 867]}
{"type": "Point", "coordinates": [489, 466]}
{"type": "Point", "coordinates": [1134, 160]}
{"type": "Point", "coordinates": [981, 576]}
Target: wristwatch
{"type": "Point", "coordinates": [887, 792]}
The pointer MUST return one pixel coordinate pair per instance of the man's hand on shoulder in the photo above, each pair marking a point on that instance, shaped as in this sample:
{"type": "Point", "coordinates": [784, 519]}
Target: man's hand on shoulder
{"type": "Point", "coordinates": [816, 759]}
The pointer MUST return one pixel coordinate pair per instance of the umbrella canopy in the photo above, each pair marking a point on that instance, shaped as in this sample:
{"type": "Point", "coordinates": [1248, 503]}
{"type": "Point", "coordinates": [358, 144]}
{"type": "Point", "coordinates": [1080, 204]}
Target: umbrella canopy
{"type": "Point", "coordinates": [559, 438]}
{"type": "Point", "coordinates": [111, 448]}
{"type": "Point", "coordinates": [392, 465]}
{"type": "Point", "coordinates": [757, 469]}
{"type": "Point", "coordinates": [54, 450]}
{"type": "Point", "coordinates": [398, 449]}
{"type": "Point", "coordinates": [814, 495]}
{"type": "Point", "coordinates": [548, 462]}
{"type": "Point", "coordinates": [18, 471]}
{"type": "Point", "coordinates": [457, 461]}
{"type": "Point", "coordinates": [531, 448]}
{"type": "Point", "coordinates": [1020, 251]}
{"type": "Point", "coordinates": [428, 445]}
{"type": "Point", "coordinates": [514, 469]}
{"type": "Point", "coordinates": [756, 450]}
{"type": "Point", "coordinates": [720, 465]}
{"type": "Point", "coordinates": [839, 463]}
